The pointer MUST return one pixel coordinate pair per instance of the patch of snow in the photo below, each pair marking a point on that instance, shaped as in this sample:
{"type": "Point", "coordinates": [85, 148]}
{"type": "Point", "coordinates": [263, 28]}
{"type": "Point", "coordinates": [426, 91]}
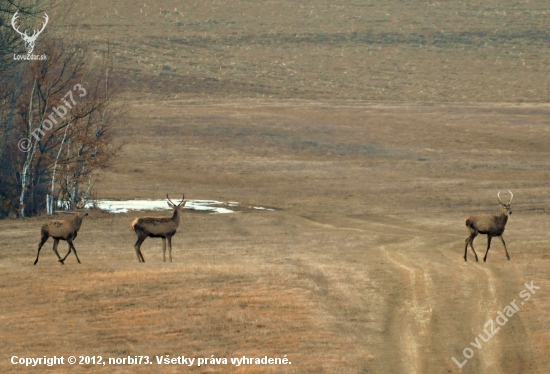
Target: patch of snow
{"type": "Point", "coordinates": [123, 206]}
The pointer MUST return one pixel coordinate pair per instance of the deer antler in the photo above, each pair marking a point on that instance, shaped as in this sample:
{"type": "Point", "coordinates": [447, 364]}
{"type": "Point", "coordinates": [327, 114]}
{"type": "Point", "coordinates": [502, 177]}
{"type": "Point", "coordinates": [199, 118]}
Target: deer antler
{"type": "Point", "coordinates": [510, 197]}
{"type": "Point", "coordinates": [29, 40]}
{"type": "Point", "coordinates": [17, 28]}
{"type": "Point", "coordinates": [78, 205]}
{"type": "Point", "coordinates": [36, 33]}
{"type": "Point", "coordinates": [171, 202]}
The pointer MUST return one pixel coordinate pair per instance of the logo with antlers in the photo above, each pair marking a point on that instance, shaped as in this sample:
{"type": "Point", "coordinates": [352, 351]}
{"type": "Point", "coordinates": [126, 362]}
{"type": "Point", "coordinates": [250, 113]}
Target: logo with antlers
{"type": "Point", "coordinates": [29, 39]}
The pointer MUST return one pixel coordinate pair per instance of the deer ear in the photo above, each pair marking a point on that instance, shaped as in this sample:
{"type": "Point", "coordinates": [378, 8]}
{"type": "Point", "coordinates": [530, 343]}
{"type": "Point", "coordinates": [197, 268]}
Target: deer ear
{"type": "Point", "coordinates": [170, 204]}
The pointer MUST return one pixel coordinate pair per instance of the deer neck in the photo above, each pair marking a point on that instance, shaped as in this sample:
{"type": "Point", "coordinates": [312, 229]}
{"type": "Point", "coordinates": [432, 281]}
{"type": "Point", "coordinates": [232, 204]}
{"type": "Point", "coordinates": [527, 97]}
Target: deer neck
{"type": "Point", "coordinates": [77, 221]}
{"type": "Point", "coordinates": [503, 218]}
{"type": "Point", "coordinates": [176, 217]}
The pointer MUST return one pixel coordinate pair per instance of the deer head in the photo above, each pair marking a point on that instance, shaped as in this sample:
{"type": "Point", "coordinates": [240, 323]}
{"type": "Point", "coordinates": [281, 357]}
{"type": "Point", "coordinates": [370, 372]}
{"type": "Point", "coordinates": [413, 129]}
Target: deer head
{"type": "Point", "coordinates": [506, 209]}
{"type": "Point", "coordinates": [77, 208]}
{"type": "Point", "coordinates": [29, 40]}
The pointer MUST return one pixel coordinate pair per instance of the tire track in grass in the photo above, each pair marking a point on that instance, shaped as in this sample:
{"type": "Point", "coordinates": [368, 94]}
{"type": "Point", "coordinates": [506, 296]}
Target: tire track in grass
{"type": "Point", "coordinates": [417, 312]}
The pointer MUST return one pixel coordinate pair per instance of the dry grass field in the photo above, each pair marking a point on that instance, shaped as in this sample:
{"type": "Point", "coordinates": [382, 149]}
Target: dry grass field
{"type": "Point", "coordinates": [396, 122]}
{"type": "Point", "coordinates": [402, 50]}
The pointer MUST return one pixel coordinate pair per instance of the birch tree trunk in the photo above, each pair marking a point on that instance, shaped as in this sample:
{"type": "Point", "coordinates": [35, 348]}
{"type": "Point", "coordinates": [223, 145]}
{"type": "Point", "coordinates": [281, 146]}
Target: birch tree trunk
{"type": "Point", "coordinates": [27, 166]}
{"type": "Point", "coordinates": [49, 197]}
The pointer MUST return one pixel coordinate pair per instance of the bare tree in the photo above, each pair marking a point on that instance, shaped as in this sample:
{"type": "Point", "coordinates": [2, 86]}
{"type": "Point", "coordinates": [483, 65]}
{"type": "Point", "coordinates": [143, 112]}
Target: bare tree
{"type": "Point", "coordinates": [12, 93]}
{"type": "Point", "coordinates": [63, 110]}
{"type": "Point", "coordinates": [68, 120]}
{"type": "Point", "coordinates": [86, 143]}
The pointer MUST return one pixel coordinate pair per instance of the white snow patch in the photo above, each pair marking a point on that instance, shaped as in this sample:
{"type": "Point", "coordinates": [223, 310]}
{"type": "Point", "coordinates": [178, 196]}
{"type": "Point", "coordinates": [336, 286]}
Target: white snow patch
{"type": "Point", "coordinates": [123, 206]}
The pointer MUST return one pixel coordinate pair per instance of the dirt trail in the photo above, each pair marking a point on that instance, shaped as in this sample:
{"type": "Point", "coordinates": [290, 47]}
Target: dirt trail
{"type": "Point", "coordinates": [358, 270]}
{"type": "Point", "coordinates": [425, 290]}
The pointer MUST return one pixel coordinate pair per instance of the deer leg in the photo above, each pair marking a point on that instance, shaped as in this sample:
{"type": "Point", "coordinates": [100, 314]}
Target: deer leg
{"type": "Point", "coordinates": [55, 243]}
{"type": "Point", "coordinates": [466, 248]}
{"type": "Point", "coordinates": [164, 249]}
{"type": "Point", "coordinates": [474, 234]}
{"type": "Point", "coordinates": [74, 250]}
{"type": "Point", "coordinates": [470, 241]}
{"type": "Point", "coordinates": [137, 247]}
{"type": "Point", "coordinates": [170, 247]}
{"type": "Point", "coordinates": [507, 256]}
{"type": "Point", "coordinates": [69, 251]}
{"type": "Point", "coordinates": [488, 246]}
{"type": "Point", "coordinates": [71, 245]}
{"type": "Point", "coordinates": [472, 246]}
{"type": "Point", "coordinates": [42, 241]}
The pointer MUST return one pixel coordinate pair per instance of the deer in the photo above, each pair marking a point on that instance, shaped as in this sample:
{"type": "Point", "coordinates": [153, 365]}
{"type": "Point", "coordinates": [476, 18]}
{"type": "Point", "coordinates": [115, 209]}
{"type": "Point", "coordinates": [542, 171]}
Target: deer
{"type": "Point", "coordinates": [158, 227]}
{"type": "Point", "coordinates": [62, 230]}
{"type": "Point", "coordinates": [489, 225]}
{"type": "Point", "coordinates": [29, 39]}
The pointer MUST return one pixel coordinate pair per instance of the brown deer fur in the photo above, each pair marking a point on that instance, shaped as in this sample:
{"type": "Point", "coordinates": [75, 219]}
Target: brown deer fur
{"type": "Point", "coordinates": [62, 230]}
{"type": "Point", "coordinates": [158, 227]}
{"type": "Point", "coordinates": [489, 225]}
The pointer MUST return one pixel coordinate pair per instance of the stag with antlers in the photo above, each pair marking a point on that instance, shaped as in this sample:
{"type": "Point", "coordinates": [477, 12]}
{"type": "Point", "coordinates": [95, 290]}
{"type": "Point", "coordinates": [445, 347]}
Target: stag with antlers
{"type": "Point", "coordinates": [489, 225]}
{"type": "Point", "coordinates": [158, 227]}
{"type": "Point", "coordinates": [29, 39]}
{"type": "Point", "coordinates": [62, 230]}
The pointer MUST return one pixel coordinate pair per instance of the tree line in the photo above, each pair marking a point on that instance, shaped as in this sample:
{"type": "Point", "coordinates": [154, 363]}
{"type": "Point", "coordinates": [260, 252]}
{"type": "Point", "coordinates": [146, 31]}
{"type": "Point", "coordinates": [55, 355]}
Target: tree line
{"type": "Point", "coordinates": [58, 116]}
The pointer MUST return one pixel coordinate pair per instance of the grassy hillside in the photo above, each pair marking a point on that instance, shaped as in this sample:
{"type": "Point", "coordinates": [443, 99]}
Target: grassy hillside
{"type": "Point", "coordinates": [359, 269]}
{"type": "Point", "coordinates": [370, 50]}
